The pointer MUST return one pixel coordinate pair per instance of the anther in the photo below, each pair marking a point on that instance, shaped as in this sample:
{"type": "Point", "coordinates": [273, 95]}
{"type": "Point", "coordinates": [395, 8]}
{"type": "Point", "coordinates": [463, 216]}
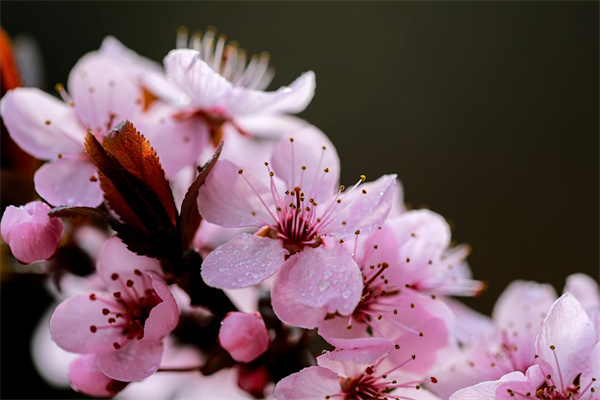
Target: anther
{"type": "Point", "coordinates": [364, 191]}
{"type": "Point", "coordinates": [114, 276]}
{"type": "Point", "coordinates": [342, 188]}
{"type": "Point", "coordinates": [93, 328]}
{"type": "Point", "coordinates": [413, 356]}
{"type": "Point", "coordinates": [552, 347]}
{"type": "Point", "coordinates": [357, 232]}
{"type": "Point", "coordinates": [116, 345]}
{"type": "Point", "coordinates": [397, 346]}
{"type": "Point", "coordinates": [105, 311]}
{"type": "Point", "coordinates": [93, 179]}
{"type": "Point", "coordinates": [326, 170]}
{"type": "Point", "coordinates": [303, 167]}
{"type": "Point", "coordinates": [412, 305]}
{"type": "Point", "coordinates": [117, 295]}
{"type": "Point", "coordinates": [137, 272]}
{"type": "Point", "coordinates": [129, 283]}
{"type": "Point", "coordinates": [291, 140]}
{"type": "Point", "coordinates": [240, 171]}
{"type": "Point", "coordinates": [362, 178]}
{"type": "Point", "coordinates": [93, 296]}
{"type": "Point", "coordinates": [407, 259]}
{"type": "Point", "coordinates": [433, 379]}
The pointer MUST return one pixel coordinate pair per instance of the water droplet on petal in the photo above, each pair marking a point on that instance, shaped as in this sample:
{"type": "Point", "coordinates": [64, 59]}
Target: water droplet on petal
{"type": "Point", "coordinates": [323, 285]}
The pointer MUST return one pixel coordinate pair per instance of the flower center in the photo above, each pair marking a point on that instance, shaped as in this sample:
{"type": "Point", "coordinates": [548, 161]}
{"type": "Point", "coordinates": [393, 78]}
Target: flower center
{"type": "Point", "coordinates": [129, 309]}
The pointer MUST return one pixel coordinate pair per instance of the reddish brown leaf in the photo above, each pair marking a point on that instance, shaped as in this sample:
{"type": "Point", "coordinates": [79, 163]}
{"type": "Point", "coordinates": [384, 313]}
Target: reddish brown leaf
{"type": "Point", "coordinates": [137, 192]}
{"type": "Point", "coordinates": [134, 153]}
{"type": "Point", "coordinates": [190, 216]}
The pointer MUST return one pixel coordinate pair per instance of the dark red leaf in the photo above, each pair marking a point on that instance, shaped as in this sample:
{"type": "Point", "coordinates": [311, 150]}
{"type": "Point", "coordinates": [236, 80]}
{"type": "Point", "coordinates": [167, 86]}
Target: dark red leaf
{"type": "Point", "coordinates": [190, 216]}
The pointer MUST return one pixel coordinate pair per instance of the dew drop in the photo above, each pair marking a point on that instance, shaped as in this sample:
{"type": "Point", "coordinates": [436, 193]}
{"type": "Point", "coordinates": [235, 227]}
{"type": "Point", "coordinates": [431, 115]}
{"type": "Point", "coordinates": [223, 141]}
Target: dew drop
{"type": "Point", "coordinates": [323, 285]}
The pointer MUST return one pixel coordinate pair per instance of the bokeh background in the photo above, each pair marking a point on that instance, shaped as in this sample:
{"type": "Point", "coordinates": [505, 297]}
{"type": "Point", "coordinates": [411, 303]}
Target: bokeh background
{"type": "Point", "coordinates": [487, 111]}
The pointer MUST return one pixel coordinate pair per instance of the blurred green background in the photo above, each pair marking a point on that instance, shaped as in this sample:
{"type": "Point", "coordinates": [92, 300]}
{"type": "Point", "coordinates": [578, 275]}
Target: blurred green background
{"type": "Point", "coordinates": [487, 111]}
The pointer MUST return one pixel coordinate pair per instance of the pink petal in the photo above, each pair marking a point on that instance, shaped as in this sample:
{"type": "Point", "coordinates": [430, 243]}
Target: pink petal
{"type": "Point", "coordinates": [591, 373]}
{"type": "Point", "coordinates": [270, 126]}
{"type": "Point", "coordinates": [164, 317]}
{"type": "Point", "coordinates": [40, 124]}
{"type": "Point", "coordinates": [351, 356]}
{"type": "Point", "coordinates": [133, 362]}
{"type": "Point", "coordinates": [103, 92]}
{"type": "Point", "coordinates": [115, 258]}
{"type": "Point", "coordinates": [228, 200]}
{"type": "Point", "coordinates": [287, 99]}
{"type": "Point", "coordinates": [243, 261]}
{"type": "Point", "coordinates": [307, 150]}
{"type": "Point", "coordinates": [178, 143]}
{"type": "Point", "coordinates": [327, 278]}
{"type": "Point", "coordinates": [565, 341]}
{"type": "Point", "coordinates": [68, 182]}
{"type": "Point", "coordinates": [205, 87]}
{"type": "Point", "coordinates": [520, 312]}
{"type": "Point", "coordinates": [71, 322]}
{"type": "Point", "coordinates": [365, 208]}
{"type": "Point", "coordinates": [244, 336]}
{"type": "Point", "coordinates": [585, 289]}
{"type": "Point", "coordinates": [288, 306]}
{"type": "Point", "coordinates": [86, 377]}
{"type": "Point", "coordinates": [434, 338]}
{"type": "Point", "coordinates": [422, 234]}
{"type": "Point", "coordinates": [309, 383]}
{"type": "Point", "coordinates": [490, 390]}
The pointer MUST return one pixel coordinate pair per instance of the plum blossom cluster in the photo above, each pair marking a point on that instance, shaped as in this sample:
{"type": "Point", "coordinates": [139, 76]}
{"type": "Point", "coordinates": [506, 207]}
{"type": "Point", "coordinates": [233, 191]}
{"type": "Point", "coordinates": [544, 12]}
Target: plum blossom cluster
{"type": "Point", "coordinates": [219, 255]}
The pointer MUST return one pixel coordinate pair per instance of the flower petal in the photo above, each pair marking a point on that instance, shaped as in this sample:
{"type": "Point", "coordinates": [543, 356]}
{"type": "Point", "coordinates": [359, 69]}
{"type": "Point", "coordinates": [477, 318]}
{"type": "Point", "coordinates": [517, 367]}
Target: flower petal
{"type": "Point", "coordinates": [287, 99]}
{"type": "Point", "coordinates": [206, 88]}
{"type": "Point", "coordinates": [71, 322]}
{"type": "Point", "coordinates": [133, 362]}
{"type": "Point", "coordinates": [68, 182]}
{"type": "Point", "coordinates": [163, 317]}
{"type": "Point", "coordinates": [86, 377]}
{"type": "Point", "coordinates": [177, 142]}
{"type": "Point", "coordinates": [243, 261]}
{"type": "Point", "coordinates": [565, 341]}
{"type": "Point", "coordinates": [40, 124]}
{"type": "Point", "coordinates": [103, 92]}
{"type": "Point", "coordinates": [310, 383]}
{"type": "Point", "coordinates": [227, 199]}
{"type": "Point", "coordinates": [365, 208]}
{"type": "Point", "coordinates": [327, 278]}
{"type": "Point", "coordinates": [309, 148]}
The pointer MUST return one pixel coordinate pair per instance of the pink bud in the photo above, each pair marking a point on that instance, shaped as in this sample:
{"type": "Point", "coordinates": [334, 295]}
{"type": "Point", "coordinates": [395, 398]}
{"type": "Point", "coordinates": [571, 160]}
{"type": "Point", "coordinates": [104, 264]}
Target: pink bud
{"type": "Point", "coordinates": [31, 234]}
{"type": "Point", "coordinates": [244, 335]}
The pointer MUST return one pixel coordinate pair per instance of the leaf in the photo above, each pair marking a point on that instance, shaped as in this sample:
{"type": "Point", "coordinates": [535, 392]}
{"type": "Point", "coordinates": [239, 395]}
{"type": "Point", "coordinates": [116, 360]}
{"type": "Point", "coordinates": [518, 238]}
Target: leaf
{"type": "Point", "coordinates": [72, 212]}
{"type": "Point", "coordinates": [190, 216]}
{"type": "Point", "coordinates": [134, 153]}
{"type": "Point", "coordinates": [135, 188]}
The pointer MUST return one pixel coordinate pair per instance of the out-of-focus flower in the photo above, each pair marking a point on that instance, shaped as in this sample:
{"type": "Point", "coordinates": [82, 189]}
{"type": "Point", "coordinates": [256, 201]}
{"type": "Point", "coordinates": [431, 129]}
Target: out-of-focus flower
{"type": "Point", "coordinates": [244, 336]}
{"type": "Point", "coordinates": [31, 234]}
{"type": "Point", "coordinates": [125, 326]}
{"type": "Point", "coordinates": [101, 96]}
{"type": "Point", "coordinates": [567, 363]}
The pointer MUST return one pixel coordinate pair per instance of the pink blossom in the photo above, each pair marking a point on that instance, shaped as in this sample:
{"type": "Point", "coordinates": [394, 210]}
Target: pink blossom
{"type": "Point", "coordinates": [244, 336]}
{"type": "Point", "coordinates": [101, 96]}
{"type": "Point", "coordinates": [567, 363]}
{"type": "Point", "coordinates": [389, 305]}
{"type": "Point", "coordinates": [30, 233]}
{"type": "Point", "coordinates": [503, 344]}
{"type": "Point", "coordinates": [124, 326]}
{"type": "Point", "coordinates": [362, 369]}
{"type": "Point", "coordinates": [301, 207]}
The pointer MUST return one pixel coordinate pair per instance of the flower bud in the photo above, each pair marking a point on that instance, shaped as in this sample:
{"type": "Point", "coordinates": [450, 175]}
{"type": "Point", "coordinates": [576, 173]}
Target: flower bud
{"type": "Point", "coordinates": [31, 234]}
{"type": "Point", "coordinates": [86, 377]}
{"type": "Point", "coordinates": [244, 335]}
